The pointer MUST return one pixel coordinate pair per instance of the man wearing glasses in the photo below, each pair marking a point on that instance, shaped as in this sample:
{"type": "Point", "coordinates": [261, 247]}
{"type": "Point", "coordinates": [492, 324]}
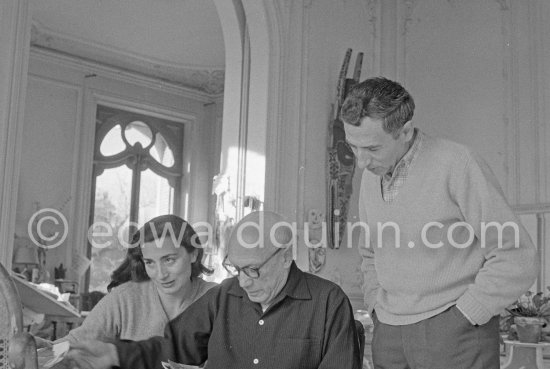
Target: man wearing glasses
{"type": "Point", "coordinates": [269, 315]}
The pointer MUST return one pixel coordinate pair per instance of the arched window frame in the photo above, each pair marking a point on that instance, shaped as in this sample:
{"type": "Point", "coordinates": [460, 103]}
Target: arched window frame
{"type": "Point", "coordinates": [136, 158]}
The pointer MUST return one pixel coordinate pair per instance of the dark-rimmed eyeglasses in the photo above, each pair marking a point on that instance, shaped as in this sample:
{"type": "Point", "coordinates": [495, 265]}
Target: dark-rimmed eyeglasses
{"type": "Point", "coordinates": [251, 271]}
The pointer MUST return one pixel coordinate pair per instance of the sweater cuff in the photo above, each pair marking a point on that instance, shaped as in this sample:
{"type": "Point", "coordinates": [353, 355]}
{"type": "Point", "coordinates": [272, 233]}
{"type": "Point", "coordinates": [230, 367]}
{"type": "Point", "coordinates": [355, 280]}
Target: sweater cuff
{"type": "Point", "coordinates": [466, 316]}
{"type": "Point", "coordinates": [471, 308]}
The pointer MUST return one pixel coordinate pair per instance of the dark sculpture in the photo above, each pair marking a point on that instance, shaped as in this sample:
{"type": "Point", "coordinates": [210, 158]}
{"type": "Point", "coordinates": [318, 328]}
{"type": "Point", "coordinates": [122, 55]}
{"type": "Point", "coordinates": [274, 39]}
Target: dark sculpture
{"type": "Point", "coordinates": [340, 158]}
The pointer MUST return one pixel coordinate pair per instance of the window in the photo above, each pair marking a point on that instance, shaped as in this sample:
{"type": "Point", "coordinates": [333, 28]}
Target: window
{"type": "Point", "coordinates": [137, 175]}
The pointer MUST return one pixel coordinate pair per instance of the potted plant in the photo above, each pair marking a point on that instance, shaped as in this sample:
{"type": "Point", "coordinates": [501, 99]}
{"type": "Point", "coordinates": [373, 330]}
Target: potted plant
{"type": "Point", "coordinates": [529, 314]}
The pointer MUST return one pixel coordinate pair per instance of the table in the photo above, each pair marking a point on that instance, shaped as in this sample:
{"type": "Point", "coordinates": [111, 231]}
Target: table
{"type": "Point", "coordinates": [525, 355]}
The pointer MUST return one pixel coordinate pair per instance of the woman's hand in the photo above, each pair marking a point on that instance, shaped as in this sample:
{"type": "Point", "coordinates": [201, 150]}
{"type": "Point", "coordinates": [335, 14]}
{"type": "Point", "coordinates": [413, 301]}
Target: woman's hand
{"type": "Point", "coordinates": [93, 355]}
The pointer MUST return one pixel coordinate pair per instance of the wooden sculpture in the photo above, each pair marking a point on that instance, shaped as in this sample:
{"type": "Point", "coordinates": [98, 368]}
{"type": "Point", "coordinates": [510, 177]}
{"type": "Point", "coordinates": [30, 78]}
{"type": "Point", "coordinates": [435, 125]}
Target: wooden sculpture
{"type": "Point", "coordinates": [340, 158]}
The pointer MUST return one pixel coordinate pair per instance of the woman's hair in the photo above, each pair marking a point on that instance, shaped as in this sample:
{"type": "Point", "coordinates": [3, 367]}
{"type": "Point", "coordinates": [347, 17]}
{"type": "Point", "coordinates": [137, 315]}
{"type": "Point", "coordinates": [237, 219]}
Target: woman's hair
{"type": "Point", "coordinates": [133, 268]}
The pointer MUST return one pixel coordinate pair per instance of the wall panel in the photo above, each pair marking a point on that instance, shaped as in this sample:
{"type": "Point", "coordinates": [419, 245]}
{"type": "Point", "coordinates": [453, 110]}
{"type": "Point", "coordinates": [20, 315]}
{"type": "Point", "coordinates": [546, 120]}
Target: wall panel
{"type": "Point", "coordinates": [478, 71]}
{"type": "Point", "coordinates": [52, 116]}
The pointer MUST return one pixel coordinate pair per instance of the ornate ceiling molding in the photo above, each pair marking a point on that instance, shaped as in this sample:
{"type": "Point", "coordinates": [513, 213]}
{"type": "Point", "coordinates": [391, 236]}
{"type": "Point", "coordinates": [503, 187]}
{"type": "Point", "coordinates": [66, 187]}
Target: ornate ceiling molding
{"type": "Point", "coordinates": [209, 80]}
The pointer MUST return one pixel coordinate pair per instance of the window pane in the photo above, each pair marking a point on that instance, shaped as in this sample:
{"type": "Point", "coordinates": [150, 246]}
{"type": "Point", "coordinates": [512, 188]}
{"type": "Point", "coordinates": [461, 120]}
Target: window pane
{"type": "Point", "coordinates": [112, 142]}
{"type": "Point", "coordinates": [155, 196]}
{"type": "Point", "coordinates": [162, 152]}
{"type": "Point", "coordinates": [116, 187]}
{"type": "Point", "coordinates": [138, 132]}
{"type": "Point", "coordinates": [112, 207]}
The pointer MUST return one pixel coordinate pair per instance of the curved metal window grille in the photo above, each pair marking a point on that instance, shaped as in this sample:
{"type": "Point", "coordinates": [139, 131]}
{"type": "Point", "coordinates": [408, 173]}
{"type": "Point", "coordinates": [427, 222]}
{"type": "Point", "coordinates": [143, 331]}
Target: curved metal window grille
{"type": "Point", "coordinates": [138, 169]}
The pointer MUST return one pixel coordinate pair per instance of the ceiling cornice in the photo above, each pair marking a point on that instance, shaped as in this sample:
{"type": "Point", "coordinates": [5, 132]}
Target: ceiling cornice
{"type": "Point", "coordinates": [118, 74]}
{"type": "Point", "coordinates": [208, 80]}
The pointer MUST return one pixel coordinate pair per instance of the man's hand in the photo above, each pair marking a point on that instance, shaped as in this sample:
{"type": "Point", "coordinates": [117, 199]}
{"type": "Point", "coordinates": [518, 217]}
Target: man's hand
{"type": "Point", "coordinates": [93, 355]}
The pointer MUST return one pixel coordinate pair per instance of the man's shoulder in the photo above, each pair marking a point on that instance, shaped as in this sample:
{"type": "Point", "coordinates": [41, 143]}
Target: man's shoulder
{"type": "Point", "coordinates": [445, 146]}
{"type": "Point", "coordinates": [206, 285]}
{"type": "Point", "coordinates": [318, 285]}
{"type": "Point", "coordinates": [445, 153]}
{"type": "Point", "coordinates": [226, 285]}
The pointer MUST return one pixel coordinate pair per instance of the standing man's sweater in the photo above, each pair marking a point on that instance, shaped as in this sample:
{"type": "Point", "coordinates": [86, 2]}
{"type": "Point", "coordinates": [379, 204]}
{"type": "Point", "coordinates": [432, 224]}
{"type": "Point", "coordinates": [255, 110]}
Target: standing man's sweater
{"type": "Point", "coordinates": [439, 260]}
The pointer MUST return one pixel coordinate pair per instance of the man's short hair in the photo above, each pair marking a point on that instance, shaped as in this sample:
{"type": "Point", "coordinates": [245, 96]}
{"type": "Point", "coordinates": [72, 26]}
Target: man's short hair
{"type": "Point", "coordinates": [378, 98]}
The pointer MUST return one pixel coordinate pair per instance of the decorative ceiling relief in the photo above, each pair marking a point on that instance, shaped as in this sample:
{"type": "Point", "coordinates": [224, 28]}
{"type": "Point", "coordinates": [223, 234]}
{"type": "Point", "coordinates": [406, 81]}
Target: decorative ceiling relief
{"type": "Point", "coordinates": [208, 80]}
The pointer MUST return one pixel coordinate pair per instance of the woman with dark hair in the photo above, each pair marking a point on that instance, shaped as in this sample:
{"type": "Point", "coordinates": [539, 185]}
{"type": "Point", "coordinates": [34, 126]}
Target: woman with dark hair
{"type": "Point", "coordinates": [158, 280]}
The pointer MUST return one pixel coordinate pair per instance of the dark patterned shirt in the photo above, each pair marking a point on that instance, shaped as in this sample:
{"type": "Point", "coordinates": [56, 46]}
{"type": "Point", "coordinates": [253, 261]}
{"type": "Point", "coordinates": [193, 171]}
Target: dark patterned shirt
{"type": "Point", "coordinates": [309, 325]}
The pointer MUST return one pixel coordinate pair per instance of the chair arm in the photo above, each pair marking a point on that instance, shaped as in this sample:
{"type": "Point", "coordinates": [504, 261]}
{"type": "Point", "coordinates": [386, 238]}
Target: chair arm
{"type": "Point", "coordinates": [22, 352]}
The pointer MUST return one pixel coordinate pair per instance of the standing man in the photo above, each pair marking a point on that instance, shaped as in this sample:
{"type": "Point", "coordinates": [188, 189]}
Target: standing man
{"type": "Point", "coordinates": [444, 252]}
{"type": "Point", "coordinates": [269, 315]}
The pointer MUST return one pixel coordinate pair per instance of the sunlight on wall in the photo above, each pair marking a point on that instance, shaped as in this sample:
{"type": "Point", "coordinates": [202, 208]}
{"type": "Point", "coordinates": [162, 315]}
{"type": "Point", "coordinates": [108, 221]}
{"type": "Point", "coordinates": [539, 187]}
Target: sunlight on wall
{"type": "Point", "coordinates": [227, 188]}
{"type": "Point", "coordinates": [252, 171]}
{"type": "Point", "coordinates": [255, 175]}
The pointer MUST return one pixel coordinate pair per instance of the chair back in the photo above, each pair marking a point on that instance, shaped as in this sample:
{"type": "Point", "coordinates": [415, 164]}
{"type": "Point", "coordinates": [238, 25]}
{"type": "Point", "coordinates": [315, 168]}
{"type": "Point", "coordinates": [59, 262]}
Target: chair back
{"type": "Point", "coordinates": [11, 317]}
{"type": "Point", "coordinates": [361, 339]}
{"type": "Point", "coordinates": [15, 345]}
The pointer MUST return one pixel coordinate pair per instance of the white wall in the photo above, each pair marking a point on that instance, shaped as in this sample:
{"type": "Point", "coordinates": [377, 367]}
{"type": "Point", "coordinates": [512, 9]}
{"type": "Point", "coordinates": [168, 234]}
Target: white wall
{"type": "Point", "coordinates": [48, 155]}
{"type": "Point", "coordinates": [478, 71]}
{"type": "Point", "coordinates": [58, 137]}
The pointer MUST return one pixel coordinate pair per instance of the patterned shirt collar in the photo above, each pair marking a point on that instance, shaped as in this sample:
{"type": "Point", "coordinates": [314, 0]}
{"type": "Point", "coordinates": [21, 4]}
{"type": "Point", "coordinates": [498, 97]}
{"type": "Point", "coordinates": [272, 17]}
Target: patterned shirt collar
{"type": "Point", "coordinates": [391, 182]}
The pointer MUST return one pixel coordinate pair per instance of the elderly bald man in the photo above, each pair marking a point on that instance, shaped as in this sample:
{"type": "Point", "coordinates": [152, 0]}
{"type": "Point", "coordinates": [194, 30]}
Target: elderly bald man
{"type": "Point", "coordinates": [269, 315]}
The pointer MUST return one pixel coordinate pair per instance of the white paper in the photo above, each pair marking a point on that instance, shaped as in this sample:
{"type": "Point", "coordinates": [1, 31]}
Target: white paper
{"type": "Point", "coordinates": [53, 354]}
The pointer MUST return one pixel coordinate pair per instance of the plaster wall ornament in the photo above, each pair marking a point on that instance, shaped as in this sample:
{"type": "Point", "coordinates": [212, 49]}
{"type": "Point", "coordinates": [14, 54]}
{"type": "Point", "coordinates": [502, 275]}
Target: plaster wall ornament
{"type": "Point", "coordinates": [372, 10]}
{"type": "Point", "coordinates": [408, 6]}
{"type": "Point", "coordinates": [504, 4]}
{"type": "Point", "coordinates": [373, 16]}
{"type": "Point", "coordinates": [315, 235]}
{"type": "Point", "coordinates": [315, 229]}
